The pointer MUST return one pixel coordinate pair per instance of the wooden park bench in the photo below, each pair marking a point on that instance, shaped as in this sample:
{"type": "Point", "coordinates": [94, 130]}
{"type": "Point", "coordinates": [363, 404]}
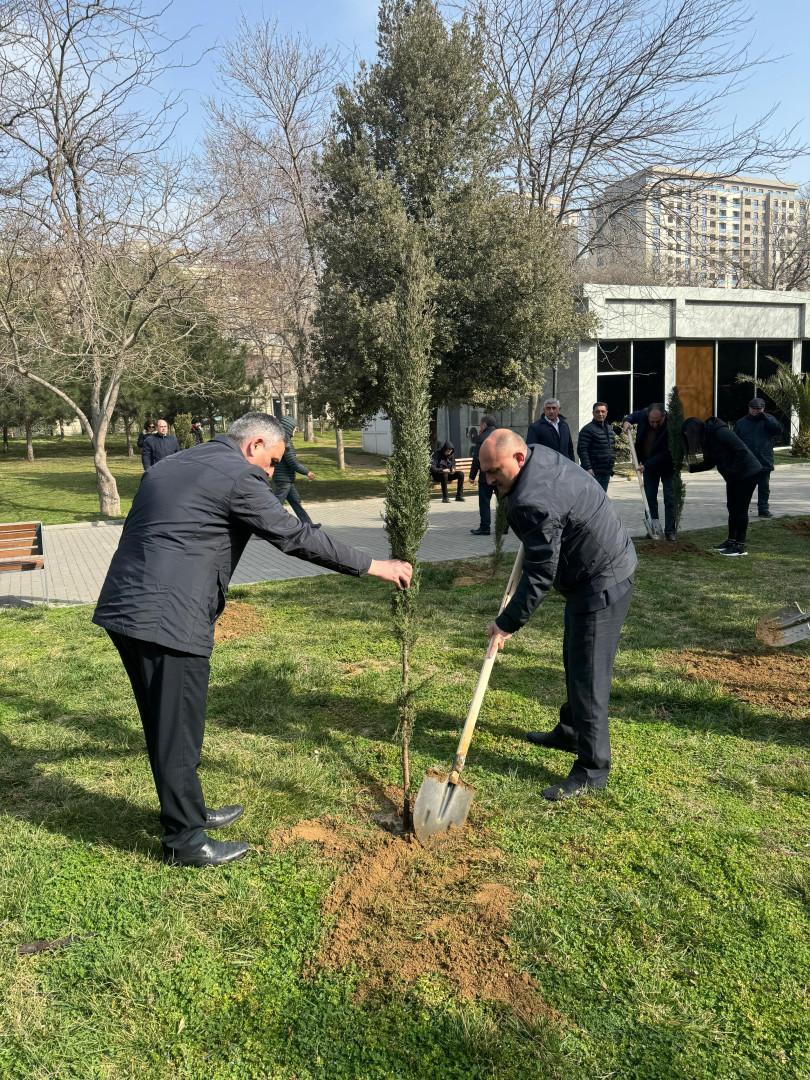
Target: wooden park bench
{"type": "Point", "coordinates": [21, 548]}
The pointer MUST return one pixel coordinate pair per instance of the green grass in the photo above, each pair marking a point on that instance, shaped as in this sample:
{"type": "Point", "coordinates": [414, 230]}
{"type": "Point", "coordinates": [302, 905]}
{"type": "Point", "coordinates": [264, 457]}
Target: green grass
{"type": "Point", "coordinates": [667, 919]}
{"type": "Point", "coordinates": [59, 487]}
{"type": "Point", "coordinates": [784, 457]}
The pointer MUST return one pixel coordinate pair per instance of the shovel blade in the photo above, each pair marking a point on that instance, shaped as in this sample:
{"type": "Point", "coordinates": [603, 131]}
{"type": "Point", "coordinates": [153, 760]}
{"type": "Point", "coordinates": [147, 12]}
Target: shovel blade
{"type": "Point", "coordinates": [439, 805]}
{"type": "Point", "coordinates": [784, 626]}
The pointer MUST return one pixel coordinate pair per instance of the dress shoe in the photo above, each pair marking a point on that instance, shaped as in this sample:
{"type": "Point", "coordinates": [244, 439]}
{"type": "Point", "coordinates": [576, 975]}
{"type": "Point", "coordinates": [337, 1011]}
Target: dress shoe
{"type": "Point", "coordinates": [222, 818]}
{"type": "Point", "coordinates": [552, 740]}
{"type": "Point", "coordinates": [480, 532]}
{"type": "Point", "coordinates": [445, 499]}
{"type": "Point", "coordinates": [570, 788]}
{"type": "Point", "coordinates": [211, 853]}
{"type": "Point", "coordinates": [764, 513]}
{"type": "Point", "coordinates": [669, 536]}
{"type": "Point", "coordinates": [460, 498]}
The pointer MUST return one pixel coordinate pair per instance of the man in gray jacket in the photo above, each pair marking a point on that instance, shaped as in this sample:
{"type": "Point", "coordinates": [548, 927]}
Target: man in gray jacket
{"type": "Point", "coordinates": [572, 540]}
{"type": "Point", "coordinates": [189, 523]}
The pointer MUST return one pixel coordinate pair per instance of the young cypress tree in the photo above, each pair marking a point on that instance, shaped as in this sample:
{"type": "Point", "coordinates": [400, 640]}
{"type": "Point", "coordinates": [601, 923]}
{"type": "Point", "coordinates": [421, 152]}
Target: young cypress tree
{"type": "Point", "coordinates": [674, 424]}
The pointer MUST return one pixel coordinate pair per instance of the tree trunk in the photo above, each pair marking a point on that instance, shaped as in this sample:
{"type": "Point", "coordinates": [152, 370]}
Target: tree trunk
{"type": "Point", "coordinates": [212, 426]}
{"type": "Point", "coordinates": [108, 500]}
{"type": "Point", "coordinates": [341, 458]}
{"type": "Point", "coordinates": [29, 441]}
{"type": "Point", "coordinates": [532, 407]}
{"type": "Point", "coordinates": [5, 438]}
{"type": "Point", "coordinates": [61, 429]}
{"type": "Point", "coordinates": [128, 433]}
{"type": "Point", "coordinates": [434, 429]}
{"type": "Point", "coordinates": [309, 428]}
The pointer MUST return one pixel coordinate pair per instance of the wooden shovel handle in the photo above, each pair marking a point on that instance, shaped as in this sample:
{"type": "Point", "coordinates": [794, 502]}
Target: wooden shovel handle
{"type": "Point", "coordinates": [483, 678]}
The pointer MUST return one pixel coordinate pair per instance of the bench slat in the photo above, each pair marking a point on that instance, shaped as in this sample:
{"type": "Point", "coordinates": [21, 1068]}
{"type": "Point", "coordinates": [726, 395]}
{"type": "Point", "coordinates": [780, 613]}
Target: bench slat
{"type": "Point", "coordinates": [24, 527]}
{"type": "Point", "coordinates": [20, 551]}
{"type": "Point", "coordinates": [36, 563]}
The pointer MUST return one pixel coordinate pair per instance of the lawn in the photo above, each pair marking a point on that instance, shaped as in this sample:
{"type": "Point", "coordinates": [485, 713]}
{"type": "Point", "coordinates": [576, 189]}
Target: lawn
{"type": "Point", "coordinates": [657, 930]}
{"type": "Point", "coordinates": [59, 487]}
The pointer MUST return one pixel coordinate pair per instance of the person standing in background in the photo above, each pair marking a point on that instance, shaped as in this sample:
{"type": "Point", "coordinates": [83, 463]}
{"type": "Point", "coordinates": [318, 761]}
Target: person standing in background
{"type": "Point", "coordinates": [760, 432]}
{"type": "Point", "coordinates": [552, 430]}
{"type": "Point", "coordinates": [158, 446]}
{"type": "Point", "coordinates": [655, 461]}
{"type": "Point", "coordinates": [196, 431]}
{"type": "Point", "coordinates": [596, 446]}
{"type": "Point", "coordinates": [148, 429]}
{"type": "Point", "coordinates": [286, 471]}
{"type": "Point", "coordinates": [485, 490]}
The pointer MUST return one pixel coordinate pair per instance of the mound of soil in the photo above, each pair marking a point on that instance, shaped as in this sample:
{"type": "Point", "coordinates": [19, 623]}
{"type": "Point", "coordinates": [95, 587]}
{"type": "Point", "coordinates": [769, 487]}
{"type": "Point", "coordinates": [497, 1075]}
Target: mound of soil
{"type": "Point", "coordinates": [663, 549]}
{"type": "Point", "coordinates": [400, 912]}
{"type": "Point", "coordinates": [801, 526]}
{"type": "Point", "coordinates": [236, 621]}
{"type": "Point", "coordinates": [780, 680]}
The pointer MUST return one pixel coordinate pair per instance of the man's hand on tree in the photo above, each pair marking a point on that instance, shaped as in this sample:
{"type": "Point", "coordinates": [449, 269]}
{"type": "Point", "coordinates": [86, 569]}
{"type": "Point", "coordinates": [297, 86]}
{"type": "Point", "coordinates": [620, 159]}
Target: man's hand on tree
{"type": "Point", "coordinates": [395, 570]}
{"type": "Point", "coordinates": [498, 637]}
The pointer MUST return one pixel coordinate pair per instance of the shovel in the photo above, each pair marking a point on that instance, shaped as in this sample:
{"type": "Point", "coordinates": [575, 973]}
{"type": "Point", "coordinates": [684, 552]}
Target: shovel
{"type": "Point", "coordinates": [445, 800]}
{"type": "Point", "coordinates": [648, 521]}
{"type": "Point", "coordinates": [784, 626]}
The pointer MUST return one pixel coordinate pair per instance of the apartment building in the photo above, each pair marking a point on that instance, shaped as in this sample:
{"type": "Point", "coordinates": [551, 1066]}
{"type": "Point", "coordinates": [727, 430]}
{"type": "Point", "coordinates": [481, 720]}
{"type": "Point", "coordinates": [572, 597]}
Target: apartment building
{"type": "Point", "coordinates": [700, 228]}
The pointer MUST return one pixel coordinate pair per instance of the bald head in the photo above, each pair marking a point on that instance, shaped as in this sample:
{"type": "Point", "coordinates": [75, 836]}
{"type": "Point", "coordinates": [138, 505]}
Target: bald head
{"type": "Point", "coordinates": [501, 458]}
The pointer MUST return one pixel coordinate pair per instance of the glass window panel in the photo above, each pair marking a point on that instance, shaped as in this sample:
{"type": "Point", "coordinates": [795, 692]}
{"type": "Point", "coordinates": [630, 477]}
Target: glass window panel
{"type": "Point", "coordinates": [648, 373]}
{"type": "Point", "coordinates": [806, 357]}
{"type": "Point", "coordinates": [614, 390]}
{"type": "Point", "coordinates": [613, 356]}
{"type": "Point", "coordinates": [734, 358]}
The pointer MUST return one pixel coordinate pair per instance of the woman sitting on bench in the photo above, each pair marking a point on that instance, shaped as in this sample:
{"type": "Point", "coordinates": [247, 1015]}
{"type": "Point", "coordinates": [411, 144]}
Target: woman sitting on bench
{"type": "Point", "coordinates": [443, 469]}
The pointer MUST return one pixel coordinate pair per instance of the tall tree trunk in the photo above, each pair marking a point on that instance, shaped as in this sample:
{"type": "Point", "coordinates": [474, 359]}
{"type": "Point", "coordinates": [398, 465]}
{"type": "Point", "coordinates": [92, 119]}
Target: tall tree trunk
{"type": "Point", "coordinates": [309, 428]}
{"type": "Point", "coordinates": [61, 429]}
{"type": "Point", "coordinates": [128, 434]}
{"type": "Point", "coordinates": [108, 499]}
{"type": "Point", "coordinates": [5, 438]}
{"type": "Point", "coordinates": [29, 441]}
{"type": "Point", "coordinates": [212, 425]}
{"type": "Point", "coordinates": [532, 407]}
{"type": "Point", "coordinates": [341, 457]}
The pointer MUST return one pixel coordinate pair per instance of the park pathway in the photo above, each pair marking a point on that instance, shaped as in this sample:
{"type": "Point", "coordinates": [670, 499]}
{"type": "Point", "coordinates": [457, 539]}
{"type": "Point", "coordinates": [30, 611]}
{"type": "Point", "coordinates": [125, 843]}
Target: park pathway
{"type": "Point", "coordinates": [78, 555]}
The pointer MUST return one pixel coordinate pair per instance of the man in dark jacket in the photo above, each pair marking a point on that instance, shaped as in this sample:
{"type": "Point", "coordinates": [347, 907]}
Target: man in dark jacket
{"type": "Point", "coordinates": [196, 431]}
{"type": "Point", "coordinates": [552, 430]}
{"type": "Point", "coordinates": [286, 471]}
{"type": "Point", "coordinates": [158, 446]}
{"type": "Point", "coordinates": [443, 471]}
{"type": "Point", "coordinates": [190, 520]}
{"type": "Point", "coordinates": [596, 446]}
{"type": "Point", "coordinates": [485, 490]}
{"type": "Point", "coordinates": [572, 540]}
{"type": "Point", "coordinates": [655, 460]}
{"type": "Point", "coordinates": [760, 432]}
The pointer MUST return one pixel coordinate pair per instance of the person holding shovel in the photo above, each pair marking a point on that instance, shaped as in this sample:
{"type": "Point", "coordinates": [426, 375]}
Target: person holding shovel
{"type": "Point", "coordinates": [574, 541]}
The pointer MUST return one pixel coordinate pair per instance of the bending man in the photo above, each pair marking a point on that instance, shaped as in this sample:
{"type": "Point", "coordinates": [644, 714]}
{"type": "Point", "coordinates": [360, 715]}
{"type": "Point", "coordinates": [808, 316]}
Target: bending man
{"type": "Point", "coordinates": [189, 523]}
{"type": "Point", "coordinates": [573, 540]}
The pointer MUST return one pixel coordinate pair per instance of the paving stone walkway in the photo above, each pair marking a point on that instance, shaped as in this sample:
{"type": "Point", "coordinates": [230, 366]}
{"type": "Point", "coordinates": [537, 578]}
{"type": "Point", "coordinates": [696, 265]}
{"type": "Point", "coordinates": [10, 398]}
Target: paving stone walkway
{"type": "Point", "coordinates": [77, 556]}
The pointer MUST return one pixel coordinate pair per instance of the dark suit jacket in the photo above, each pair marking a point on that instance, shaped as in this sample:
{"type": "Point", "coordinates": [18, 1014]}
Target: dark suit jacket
{"type": "Point", "coordinates": [189, 523]}
{"type": "Point", "coordinates": [543, 433]}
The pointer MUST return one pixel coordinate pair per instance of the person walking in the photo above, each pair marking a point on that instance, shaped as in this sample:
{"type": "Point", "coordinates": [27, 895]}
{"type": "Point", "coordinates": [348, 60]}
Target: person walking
{"type": "Point", "coordinates": [443, 471]}
{"type": "Point", "coordinates": [573, 541]}
{"type": "Point", "coordinates": [196, 431]}
{"type": "Point", "coordinates": [286, 471]}
{"type": "Point", "coordinates": [485, 490]}
{"type": "Point", "coordinates": [760, 432]}
{"type": "Point", "coordinates": [159, 445]}
{"type": "Point", "coordinates": [190, 521]}
{"type": "Point", "coordinates": [596, 446]}
{"type": "Point", "coordinates": [722, 449]}
{"type": "Point", "coordinates": [655, 461]}
{"type": "Point", "coordinates": [552, 430]}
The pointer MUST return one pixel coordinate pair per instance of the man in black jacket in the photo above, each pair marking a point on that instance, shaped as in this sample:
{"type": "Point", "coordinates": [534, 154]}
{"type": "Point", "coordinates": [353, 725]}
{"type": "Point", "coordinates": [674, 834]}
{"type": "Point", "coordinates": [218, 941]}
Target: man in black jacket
{"type": "Point", "coordinates": [189, 523]}
{"type": "Point", "coordinates": [552, 430]}
{"type": "Point", "coordinates": [572, 540]}
{"type": "Point", "coordinates": [443, 471]}
{"type": "Point", "coordinates": [485, 490]}
{"type": "Point", "coordinates": [159, 445]}
{"type": "Point", "coordinates": [596, 446]}
{"type": "Point", "coordinates": [655, 461]}
{"type": "Point", "coordinates": [760, 432]}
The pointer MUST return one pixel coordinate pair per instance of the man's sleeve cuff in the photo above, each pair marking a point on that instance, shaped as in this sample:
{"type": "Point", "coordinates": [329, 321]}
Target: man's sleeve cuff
{"type": "Point", "coordinates": [506, 624]}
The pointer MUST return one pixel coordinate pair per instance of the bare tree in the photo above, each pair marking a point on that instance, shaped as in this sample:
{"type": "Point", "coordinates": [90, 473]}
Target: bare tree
{"type": "Point", "coordinates": [598, 91]}
{"type": "Point", "coordinates": [98, 226]}
{"type": "Point", "coordinates": [262, 148]}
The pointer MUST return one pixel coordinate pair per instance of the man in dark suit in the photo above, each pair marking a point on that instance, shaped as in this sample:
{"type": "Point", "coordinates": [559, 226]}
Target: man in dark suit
{"type": "Point", "coordinates": [552, 430]}
{"type": "Point", "coordinates": [485, 490]}
{"type": "Point", "coordinates": [572, 540]}
{"type": "Point", "coordinates": [189, 523]}
{"type": "Point", "coordinates": [158, 445]}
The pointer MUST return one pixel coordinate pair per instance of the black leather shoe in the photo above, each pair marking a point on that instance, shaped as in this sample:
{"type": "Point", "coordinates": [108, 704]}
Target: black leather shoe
{"type": "Point", "coordinates": [480, 532]}
{"type": "Point", "coordinates": [669, 536]}
{"type": "Point", "coordinates": [211, 853]}
{"type": "Point", "coordinates": [552, 740]}
{"type": "Point", "coordinates": [764, 513]}
{"type": "Point", "coordinates": [445, 500]}
{"type": "Point", "coordinates": [570, 788]}
{"type": "Point", "coordinates": [460, 498]}
{"type": "Point", "coordinates": [222, 818]}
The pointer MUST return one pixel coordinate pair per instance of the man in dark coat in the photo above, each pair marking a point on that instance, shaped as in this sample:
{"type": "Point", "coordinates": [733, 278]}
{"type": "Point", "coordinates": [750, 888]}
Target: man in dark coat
{"type": "Point", "coordinates": [760, 432]}
{"type": "Point", "coordinates": [443, 471]}
{"type": "Point", "coordinates": [196, 431]}
{"type": "Point", "coordinates": [158, 446]}
{"type": "Point", "coordinates": [655, 461]}
{"type": "Point", "coordinates": [189, 523]}
{"type": "Point", "coordinates": [596, 446]}
{"type": "Point", "coordinates": [286, 471]}
{"type": "Point", "coordinates": [572, 540]}
{"type": "Point", "coordinates": [552, 430]}
{"type": "Point", "coordinates": [485, 490]}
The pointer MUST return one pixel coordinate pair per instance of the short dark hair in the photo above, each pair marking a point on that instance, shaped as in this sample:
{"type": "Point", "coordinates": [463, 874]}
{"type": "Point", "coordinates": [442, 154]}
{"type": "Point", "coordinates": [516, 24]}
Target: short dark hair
{"type": "Point", "coordinates": [657, 406]}
{"type": "Point", "coordinates": [597, 404]}
{"type": "Point", "coordinates": [489, 420]}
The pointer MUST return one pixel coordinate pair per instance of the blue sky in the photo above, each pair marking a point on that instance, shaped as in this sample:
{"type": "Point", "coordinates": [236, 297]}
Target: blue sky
{"type": "Point", "coordinates": [779, 27]}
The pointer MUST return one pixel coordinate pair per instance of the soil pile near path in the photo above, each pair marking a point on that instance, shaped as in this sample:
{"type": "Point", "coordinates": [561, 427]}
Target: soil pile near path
{"type": "Point", "coordinates": [401, 912]}
{"type": "Point", "coordinates": [236, 621]}
{"type": "Point", "coordinates": [780, 680]}
{"type": "Point", "coordinates": [664, 549]}
{"type": "Point", "coordinates": [801, 526]}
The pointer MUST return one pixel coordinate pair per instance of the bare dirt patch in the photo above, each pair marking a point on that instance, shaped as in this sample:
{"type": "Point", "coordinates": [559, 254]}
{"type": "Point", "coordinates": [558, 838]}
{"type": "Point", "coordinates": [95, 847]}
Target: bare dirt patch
{"type": "Point", "coordinates": [665, 549]}
{"type": "Point", "coordinates": [780, 680]}
{"type": "Point", "coordinates": [236, 621]}
{"type": "Point", "coordinates": [400, 913]}
{"type": "Point", "coordinates": [473, 573]}
{"type": "Point", "coordinates": [801, 526]}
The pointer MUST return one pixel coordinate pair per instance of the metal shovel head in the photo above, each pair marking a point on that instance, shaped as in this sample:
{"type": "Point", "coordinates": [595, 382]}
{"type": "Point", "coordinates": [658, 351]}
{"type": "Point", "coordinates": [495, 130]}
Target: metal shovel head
{"type": "Point", "coordinates": [440, 804]}
{"type": "Point", "coordinates": [784, 626]}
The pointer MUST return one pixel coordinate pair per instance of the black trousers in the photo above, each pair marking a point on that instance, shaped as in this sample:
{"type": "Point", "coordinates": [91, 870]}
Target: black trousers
{"type": "Point", "coordinates": [170, 690]}
{"type": "Point", "coordinates": [738, 498]}
{"type": "Point", "coordinates": [763, 490]}
{"type": "Point", "coordinates": [444, 478]}
{"type": "Point", "coordinates": [485, 493]}
{"type": "Point", "coordinates": [590, 642]}
{"type": "Point", "coordinates": [287, 491]}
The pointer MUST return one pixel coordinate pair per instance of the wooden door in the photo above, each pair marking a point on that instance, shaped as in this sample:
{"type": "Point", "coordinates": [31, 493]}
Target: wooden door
{"type": "Point", "coordinates": [694, 374]}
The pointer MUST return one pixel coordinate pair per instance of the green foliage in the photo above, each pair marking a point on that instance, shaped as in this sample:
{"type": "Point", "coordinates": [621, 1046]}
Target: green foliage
{"type": "Point", "coordinates": [182, 430]}
{"type": "Point", "coordinates": [800, 447]}
{"type": "Point", "coordinates": [674, 424]}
